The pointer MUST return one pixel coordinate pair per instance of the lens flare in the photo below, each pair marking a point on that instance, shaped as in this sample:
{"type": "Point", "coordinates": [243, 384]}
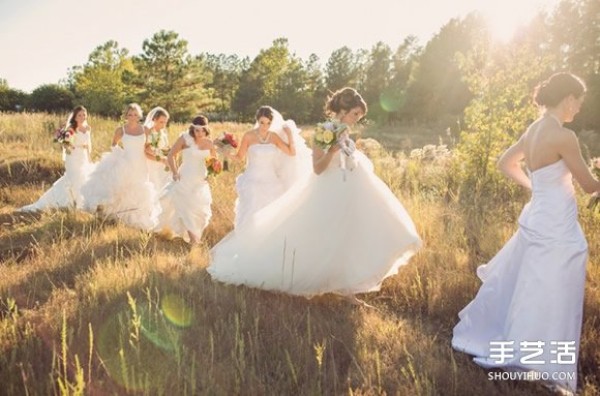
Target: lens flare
{"type": "Point", "coordinates": [159, 331]}
{"type": "Point", "coordinates": [137, 360]}
{"type": "Point", "coordinates": [391, 100]}
{"type": "Point", "coordinates": [176, 310]}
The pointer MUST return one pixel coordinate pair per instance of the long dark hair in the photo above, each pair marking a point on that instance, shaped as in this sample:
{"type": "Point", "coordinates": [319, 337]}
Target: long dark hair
{"type": "Point", "coordinates": [72, 120]}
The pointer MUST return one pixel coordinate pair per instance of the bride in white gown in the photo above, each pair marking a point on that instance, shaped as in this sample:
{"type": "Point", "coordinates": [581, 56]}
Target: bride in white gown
{"type": "Point", "coordinates": [186, 200]}
{"type": "Point", "coordinates": [66, 191]}
{"type": "Point", "coordinates": [157, 146]}
{"type": "Point", "coordinates": [532, 290]}
{"type": "Point", "coordinates": [343, 231]}
{"type": "Point", "coordinates": [119, 185]}
{"type": "Point", "coordinates": [260, 184]}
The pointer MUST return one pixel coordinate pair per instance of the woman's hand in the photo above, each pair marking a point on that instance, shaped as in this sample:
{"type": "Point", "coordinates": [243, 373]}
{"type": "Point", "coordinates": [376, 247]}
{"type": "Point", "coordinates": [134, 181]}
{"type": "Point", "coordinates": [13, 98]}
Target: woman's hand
{"type": "Point", "coordinates": [333, 149]}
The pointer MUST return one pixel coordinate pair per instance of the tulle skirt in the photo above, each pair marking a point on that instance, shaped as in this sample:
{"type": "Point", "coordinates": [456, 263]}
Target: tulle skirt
{"type": "Point", "coordinates": [185, 207]}
{"type": "Point", "coordinates": [119, 186]}
{"type": "Point", "coordinates": [66, 191]}
{"type": "Point", "coordinates": [341, 232]}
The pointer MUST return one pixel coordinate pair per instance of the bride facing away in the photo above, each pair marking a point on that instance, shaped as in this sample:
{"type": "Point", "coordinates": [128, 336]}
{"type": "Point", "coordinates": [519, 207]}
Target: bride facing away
{"type": "Point", "coordinates": [343, 232]}
{"type": "Point", "coordinates": [531, 296]}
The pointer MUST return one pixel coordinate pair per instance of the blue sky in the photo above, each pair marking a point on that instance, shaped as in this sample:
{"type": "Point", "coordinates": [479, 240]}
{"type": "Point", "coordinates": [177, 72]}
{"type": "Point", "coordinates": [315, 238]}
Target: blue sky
{"type": "Point", "coordinates": [41, 39]}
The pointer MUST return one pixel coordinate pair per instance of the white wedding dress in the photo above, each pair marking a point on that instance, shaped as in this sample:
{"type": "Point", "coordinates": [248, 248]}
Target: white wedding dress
{"type": "Point", "coordinates": [66, 191]}
{"type": "Point", "coordinates": [340, 232]}
{"type": "Point", "coordinates": [156, 170]}
{"type": "Point", "coordinates": [533, 288]}
{"type": "Point", "coordinates": [260, 184]}
{"type": "Point", "coordinates": [186, 202]}
{"type": "Point", "coordinates": [293, 169]}
{"type": "Point", "coordinates": [120, 185]}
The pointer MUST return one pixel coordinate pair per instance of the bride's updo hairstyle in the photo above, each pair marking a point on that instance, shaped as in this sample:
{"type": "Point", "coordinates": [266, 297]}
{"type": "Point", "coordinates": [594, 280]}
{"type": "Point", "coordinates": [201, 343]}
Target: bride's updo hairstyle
{"type": "Point", "coordinates": [264, 111]}
{"type": "Point", "coordinates": [199, 122]}
{"type": "Point", "coordinates": [559, 86]}
{"type": "Point", "coordinates": [344, 99]}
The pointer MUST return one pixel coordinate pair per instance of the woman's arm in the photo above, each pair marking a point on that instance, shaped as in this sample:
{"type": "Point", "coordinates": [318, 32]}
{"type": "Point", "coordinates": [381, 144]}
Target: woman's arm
{"type": "Point", "coordinates": [148, 151]}
{"type": "Point", "coordinates": [321, 159]}
{"type": "Point", "coordinates": [117, 136]}
{"type": "Point", "coordinates": [287, 148]}
{"type": "Point", "coordinates": [88, 146]}
{"type": "Point", "coordinates": [510, 164]}
{"type": "Point", "coordinates": [177, 147]}
{"type": "Point", "coordinates": [241, 153]}
{"type": "Point", "coordinates": [570, 152]}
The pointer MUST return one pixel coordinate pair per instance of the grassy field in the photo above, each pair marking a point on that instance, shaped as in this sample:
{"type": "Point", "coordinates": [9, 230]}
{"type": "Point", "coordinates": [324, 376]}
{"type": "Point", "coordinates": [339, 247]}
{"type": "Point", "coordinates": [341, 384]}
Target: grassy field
{"type": "Point", "coordinates": [90, 306]}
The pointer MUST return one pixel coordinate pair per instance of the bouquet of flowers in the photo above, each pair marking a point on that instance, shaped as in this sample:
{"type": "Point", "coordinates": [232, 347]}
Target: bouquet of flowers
{"type": "Point", "coordinates": [159, 147]}
{"type": "Point", "coordinates": [66, 138]}
{"type": "Point", "coordinates": [225, 143]}
{"type": "Point", "coordinates": [595, 169]}
{"type": "Point", "coordinates": [331, 132]}
{"type": "Point", "coordinates": [213, 166]}
{"type": "Point", "coordinates": [327, 133]}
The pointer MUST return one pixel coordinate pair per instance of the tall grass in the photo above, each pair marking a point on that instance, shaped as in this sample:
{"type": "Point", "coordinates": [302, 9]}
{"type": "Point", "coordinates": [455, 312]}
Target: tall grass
{"type": "Point", "coordinates": [90, 306]}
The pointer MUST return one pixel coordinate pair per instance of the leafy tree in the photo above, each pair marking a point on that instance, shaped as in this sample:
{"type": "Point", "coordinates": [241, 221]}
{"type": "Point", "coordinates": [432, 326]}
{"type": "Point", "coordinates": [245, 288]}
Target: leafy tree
{"type": "Point", "coordinates": [316, 86]}
{"type": "Point", "coordinates": [226, 72]}
{"type": "Point", "coordinates": [11, 99]}
{"type": "Point", "coordinates": [168, 76]}
{"type": "Point", "coordinates": [294, 97]}
{"type": "Point", "coordinates": [377, 78]}
{"type": "Point", "coordinates": [438, 87]}
{"type": "Point", "coordinates": [499, 113]}
{"type": "Point", "coordinates": [574, 29]}
{"type": "Point", "coordinates": [100, 82]}
{"type": "Point", "coordinates": [259, 84]}
{"type": "Point", "coordinates": [404, 62]}
{"type": "Point", "coordinates": [341, 69]}
{"type": "Point", "coordinates": [51, 98]}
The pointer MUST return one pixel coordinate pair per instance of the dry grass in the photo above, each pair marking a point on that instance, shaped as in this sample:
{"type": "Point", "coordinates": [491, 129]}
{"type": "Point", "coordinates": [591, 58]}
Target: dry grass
{"type": "Point", "coordinates": [89, 306]}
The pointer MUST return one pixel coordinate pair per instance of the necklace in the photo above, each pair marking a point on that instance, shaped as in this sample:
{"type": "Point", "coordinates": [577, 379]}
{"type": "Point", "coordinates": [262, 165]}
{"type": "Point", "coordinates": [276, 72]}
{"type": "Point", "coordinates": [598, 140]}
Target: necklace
{"type": "Point", "coordinates": [263, 140]}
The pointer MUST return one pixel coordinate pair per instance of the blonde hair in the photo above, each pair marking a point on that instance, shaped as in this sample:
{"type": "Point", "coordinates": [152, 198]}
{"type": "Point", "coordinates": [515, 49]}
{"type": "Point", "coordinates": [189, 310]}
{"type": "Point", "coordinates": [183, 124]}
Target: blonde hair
{"type": "Point", "coordinates": [136, 107]}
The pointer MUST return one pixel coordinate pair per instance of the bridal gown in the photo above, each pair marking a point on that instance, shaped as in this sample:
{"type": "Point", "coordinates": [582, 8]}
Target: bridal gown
{"type": "Point", "coordinates": [260, 184]}
{"type": "Point", "coordinates": [292, 169]}
{"type": "Point", "coordinates": [532, 290]}
{"type": "Point", "coordinates": [66, 191]}
{"type": "Point", "coordinates": [186, 202]}
{"type": "Point", "coordinates": [157, 171]}
{"type": "Point", "coordinates": [342, 231]}
{"type": "Point", "coordinates": [120, 185]}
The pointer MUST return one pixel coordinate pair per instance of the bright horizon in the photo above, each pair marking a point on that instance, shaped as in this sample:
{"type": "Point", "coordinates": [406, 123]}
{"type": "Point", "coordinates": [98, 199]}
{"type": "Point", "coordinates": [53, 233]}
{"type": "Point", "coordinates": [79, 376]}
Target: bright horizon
{"type": "Point", "coordinates": [39, 43]}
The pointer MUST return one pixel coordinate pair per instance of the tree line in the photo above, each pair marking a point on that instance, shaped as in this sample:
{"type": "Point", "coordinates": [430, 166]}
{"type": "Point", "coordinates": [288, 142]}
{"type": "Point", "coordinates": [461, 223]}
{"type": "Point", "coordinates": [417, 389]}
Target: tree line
{"type": "Point", "coordinates": [412, 83]}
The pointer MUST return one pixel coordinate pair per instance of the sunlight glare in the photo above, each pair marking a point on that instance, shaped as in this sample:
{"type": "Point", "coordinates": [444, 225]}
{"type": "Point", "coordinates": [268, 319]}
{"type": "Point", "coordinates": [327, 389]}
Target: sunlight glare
{"type": "Point", "coordinates": [504, 18]}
